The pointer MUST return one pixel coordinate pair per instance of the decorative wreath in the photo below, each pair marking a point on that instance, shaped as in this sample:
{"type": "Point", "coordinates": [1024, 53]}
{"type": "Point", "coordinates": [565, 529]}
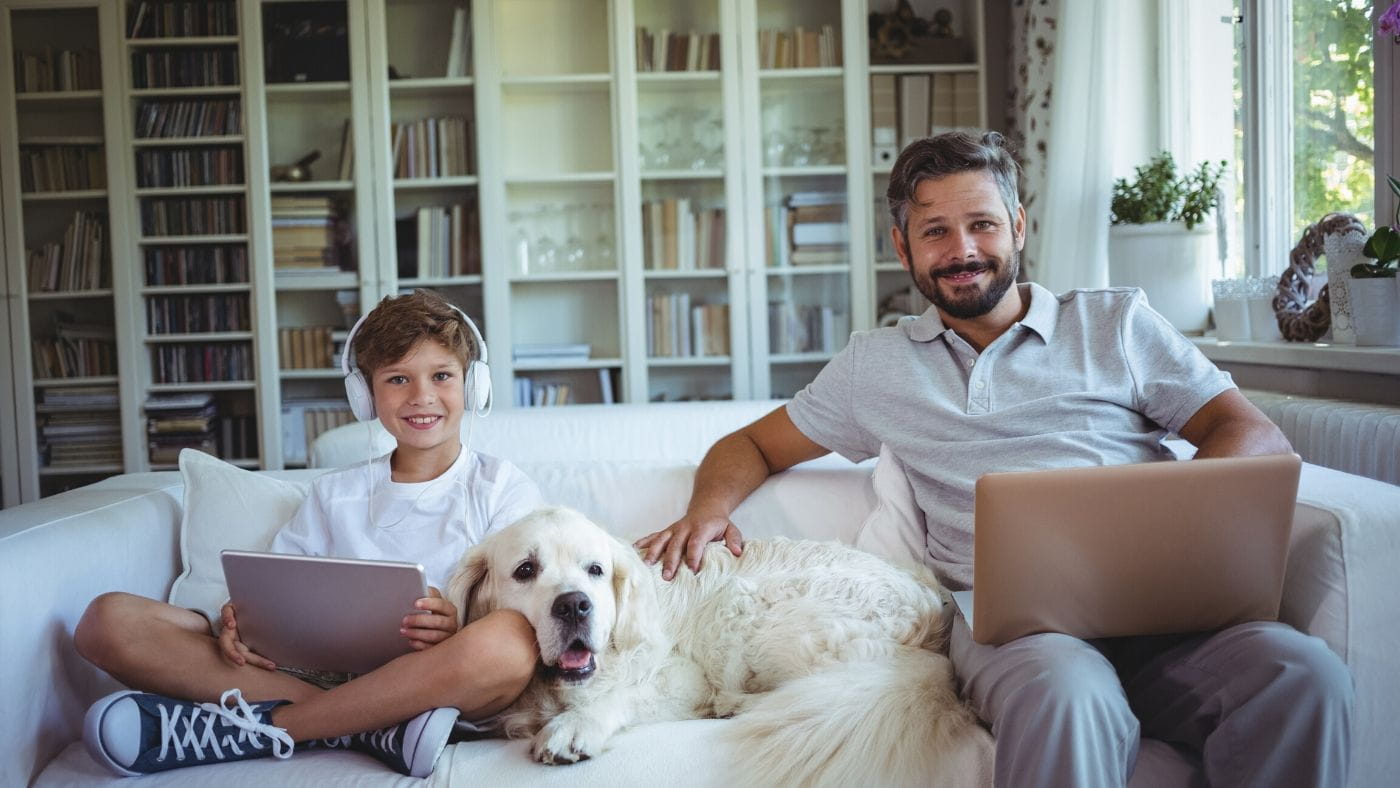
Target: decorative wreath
{"type": "Point", "coordinates": [1298, 320]}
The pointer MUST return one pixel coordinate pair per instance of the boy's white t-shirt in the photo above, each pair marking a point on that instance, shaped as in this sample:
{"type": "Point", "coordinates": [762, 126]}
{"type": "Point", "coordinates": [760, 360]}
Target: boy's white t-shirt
{"type": "Point", "coordinates": [432, 523]}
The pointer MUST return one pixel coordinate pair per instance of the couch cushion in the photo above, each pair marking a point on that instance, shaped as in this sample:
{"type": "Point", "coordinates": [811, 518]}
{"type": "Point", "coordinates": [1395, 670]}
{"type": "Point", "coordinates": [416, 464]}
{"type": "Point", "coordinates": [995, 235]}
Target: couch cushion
{"type": "Point", "coordinates": [226, 508]}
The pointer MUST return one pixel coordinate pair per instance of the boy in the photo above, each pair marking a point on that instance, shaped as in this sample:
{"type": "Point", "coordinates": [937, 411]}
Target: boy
{"type": "Point", "coordinates": [427, 501]}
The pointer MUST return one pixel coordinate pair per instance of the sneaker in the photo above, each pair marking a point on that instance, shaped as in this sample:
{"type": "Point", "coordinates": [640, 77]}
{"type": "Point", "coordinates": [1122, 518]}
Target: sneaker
{"type": "Point", "coordinates": [134, 733]}
{"type": "Point", "coordinates": [410, 748]}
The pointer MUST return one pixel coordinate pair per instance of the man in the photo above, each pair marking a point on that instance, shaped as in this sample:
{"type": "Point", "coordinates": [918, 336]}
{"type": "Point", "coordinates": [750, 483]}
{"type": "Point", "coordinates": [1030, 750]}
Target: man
{"type": "Point", "coordinates": [1003, 377]}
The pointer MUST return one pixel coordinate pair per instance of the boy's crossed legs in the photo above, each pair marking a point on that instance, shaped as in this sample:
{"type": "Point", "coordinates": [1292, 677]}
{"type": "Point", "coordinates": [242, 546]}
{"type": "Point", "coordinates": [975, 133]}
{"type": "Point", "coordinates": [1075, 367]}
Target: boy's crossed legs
{"type": "Point", "coordinates": [158, 648]}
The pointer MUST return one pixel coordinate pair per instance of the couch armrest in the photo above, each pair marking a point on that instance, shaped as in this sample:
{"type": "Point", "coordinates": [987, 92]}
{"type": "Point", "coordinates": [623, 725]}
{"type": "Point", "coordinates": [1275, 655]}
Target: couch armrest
{"type": "Point", "coordinates": [1343, 585]}
{"type": "Point", "coordinates": [56, 555]}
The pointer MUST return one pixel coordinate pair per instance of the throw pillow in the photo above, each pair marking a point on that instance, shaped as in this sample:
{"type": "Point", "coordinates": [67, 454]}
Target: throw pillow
{"type": "Point", "coordinates": [895, 528]}
{"type": "Point", "coordinates": [226, 508]}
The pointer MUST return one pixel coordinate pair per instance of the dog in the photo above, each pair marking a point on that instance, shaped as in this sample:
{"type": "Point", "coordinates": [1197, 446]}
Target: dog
{"type": "Point", "coordinates": [827, 657]}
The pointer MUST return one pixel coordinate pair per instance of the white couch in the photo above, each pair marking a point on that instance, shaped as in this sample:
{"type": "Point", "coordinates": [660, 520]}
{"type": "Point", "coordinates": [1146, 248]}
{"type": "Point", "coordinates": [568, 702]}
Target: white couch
{"type": "Point", "coordinates": [630, 468]}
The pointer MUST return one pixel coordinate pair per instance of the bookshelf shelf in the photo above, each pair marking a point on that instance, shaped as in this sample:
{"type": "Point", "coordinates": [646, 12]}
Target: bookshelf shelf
{"type": "Point", "coordinates": [926, 68]}
{"type": "Point", "coordinates": [301, 90]}
{"type": "Point", "coordinates": [561, 177]}
{"type": "Point", "coordinates": [399, 87]}
{"type": "Point", "coordinates": [888, 265]}
{"type": "Point", "coordinates": [107, 469]}
{"type": "Point", "coordinates": [176, 240]}
{"type": "Point", "coordinates": [558, 80]}
{"type": "Point", "coordinates": [311, 186]}
{"type": "Point", "coordinates": [299, 281]}
{"type": "Point", "coordinates": [564, 276]}
{"type": "Point", "coordinates": [444, 281]}
{"type": "Point", "coordinates": [57, 140]}
{"type": "Point", "coordinates": [778, 74]}
{"type": "Point", "coordinates": [203, 90]}
{"type": "Point", "coordinates": [671, 77]}
{"type": "Point", "coordinates": [60, 99]}
{"type": "Point", "coordinates": [699, 273]}
{"type": "Point", "coordinates": [159, 142]}
{"type": "Point", "coordinates": [311, 374]}
{"type": "Point", "coordinates": [800, 358]}
{"type": "Point", "coordinates": [546, 366]}
{"type": "Point", "coordinates": [167, 191]}
{"type": "Point", "coordinates": [64, 295]}
{"type": "Point", "coordinates": [801, 270]}
{"type": "Point", "coordinates": [74, 194]}
{"type": "Point", "coordinates": [801, 172]}
{"type": "Point", "coordinates": [681, 175]}
{"type": "Point", "coordinates": [689, 361]}
{"type": "Point", "coordinates": [184, 41]}
{"type": "Point", "coordinates": [240, 287]}
{"type": "Point", "coordinates": [90, 380]}
{"type": "Point", "coordinates": [443, 182]}
{"type": "Point", "coordinates": [213, 385]}
{"type": "Point", "coordinates": [202, 336]}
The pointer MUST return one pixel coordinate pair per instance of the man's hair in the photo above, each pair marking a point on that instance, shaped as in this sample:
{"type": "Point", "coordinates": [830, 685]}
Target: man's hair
{"type": "Point", "coordinates": [398, 323]}
{"type": "Point", "coordinates": [957, 151]}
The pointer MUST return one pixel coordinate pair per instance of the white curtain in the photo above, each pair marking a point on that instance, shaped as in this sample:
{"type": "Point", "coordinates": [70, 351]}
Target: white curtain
{"type": "Point", "coordinates": [1063, 63]}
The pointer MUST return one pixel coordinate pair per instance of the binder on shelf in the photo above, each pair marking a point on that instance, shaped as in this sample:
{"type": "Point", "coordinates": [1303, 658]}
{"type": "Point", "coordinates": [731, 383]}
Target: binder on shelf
{"type": "Point", "coordinates": [913, 107]}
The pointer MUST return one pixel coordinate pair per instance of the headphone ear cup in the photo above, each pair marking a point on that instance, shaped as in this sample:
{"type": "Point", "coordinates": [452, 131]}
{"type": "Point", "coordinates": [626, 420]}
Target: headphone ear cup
{"type": "Point", "coordinates": [478, 388]}
{"type": "Point", "coordinates": [358, 395]}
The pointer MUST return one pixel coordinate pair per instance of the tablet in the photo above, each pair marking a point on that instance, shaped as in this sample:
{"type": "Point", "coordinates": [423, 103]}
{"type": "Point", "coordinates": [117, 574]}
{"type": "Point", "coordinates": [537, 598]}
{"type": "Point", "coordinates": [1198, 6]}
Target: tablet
{"type": "Point", "coordinates": [334, 614]}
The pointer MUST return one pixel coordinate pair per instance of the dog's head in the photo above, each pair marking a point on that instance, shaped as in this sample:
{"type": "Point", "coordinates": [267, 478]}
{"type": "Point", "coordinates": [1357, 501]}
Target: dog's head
{"type": "Point", "coordinates": [587, 594]}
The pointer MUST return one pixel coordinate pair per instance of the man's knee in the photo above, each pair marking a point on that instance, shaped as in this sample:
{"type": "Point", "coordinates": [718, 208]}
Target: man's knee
{"type": "Point", "coordinates": [1066, 684]}
{"type": "Point", "coordinates": [1299, 667]}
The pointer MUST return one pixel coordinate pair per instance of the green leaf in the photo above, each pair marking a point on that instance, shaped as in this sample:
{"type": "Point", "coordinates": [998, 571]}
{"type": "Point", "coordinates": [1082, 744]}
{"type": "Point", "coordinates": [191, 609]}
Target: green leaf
{"type": "Point", "coordinates": [1383, 245]}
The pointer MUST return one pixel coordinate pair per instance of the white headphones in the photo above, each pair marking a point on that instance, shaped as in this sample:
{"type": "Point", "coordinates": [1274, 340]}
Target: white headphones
{"type": "Point", "coordinates": [476, 379]}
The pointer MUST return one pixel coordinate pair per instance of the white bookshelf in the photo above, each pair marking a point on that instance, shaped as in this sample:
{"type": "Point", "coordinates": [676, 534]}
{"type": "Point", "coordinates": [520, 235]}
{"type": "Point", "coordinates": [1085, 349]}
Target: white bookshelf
{"type": "Point", "coordinates": [571, 138]}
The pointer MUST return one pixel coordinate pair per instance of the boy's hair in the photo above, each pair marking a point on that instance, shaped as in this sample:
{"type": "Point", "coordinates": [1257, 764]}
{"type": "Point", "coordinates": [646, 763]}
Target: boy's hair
{"type": "Point", "coordinates": [956, 151]}
{"type": "Point", "coordinates": [398, 323]}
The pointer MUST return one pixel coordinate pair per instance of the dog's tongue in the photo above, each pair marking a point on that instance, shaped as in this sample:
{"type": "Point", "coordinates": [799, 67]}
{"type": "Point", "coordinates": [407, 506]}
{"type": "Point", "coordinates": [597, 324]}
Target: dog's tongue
{"type": "Point", "coordinates": [575, 659]}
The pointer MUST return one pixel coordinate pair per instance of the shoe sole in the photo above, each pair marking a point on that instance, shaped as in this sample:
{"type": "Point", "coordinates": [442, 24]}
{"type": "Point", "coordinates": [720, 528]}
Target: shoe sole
{"type": "Point", "coordinates": [426, 769]}
{"type": "Point", "coordinates": [92, 734]}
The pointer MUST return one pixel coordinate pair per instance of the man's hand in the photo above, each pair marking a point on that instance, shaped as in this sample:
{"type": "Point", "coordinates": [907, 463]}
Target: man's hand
{"type": "Point", "coordinates": [436, 623]}
{"type": "Point", "coordinates": [232, 649]}
{"type": "Point", "coordinates": [686, 538]}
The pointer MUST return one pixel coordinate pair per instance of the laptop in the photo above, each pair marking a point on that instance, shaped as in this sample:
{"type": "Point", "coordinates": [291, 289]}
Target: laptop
{"type": "Point", "coordinates": [332, 614]}
{"type": "Point", "coordinates": [1144, 549]}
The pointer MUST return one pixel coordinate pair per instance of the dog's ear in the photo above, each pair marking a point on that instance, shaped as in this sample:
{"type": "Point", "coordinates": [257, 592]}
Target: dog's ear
{"type": "Point", "coordinates": [466, 581]}
{"type": "Point", "coordinates": [638, 616]}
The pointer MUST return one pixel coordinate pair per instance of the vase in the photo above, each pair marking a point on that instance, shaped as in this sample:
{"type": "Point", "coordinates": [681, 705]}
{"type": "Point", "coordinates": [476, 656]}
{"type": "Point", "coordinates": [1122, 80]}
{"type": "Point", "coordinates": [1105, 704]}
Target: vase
{"type": "Point", "coordinates": [1171, 264]}
{"type": "Point", "coordinates": [1375, 309]}
{"type": "Point", "coordinates": [1342, 251]}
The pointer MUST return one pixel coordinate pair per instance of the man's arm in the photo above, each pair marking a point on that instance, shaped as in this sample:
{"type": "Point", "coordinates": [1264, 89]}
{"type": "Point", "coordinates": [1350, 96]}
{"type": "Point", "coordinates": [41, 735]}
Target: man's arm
{"type": "Point", "coordinates": [732, 469]}
{"type": "Point", "coordinates": [1230, 426]}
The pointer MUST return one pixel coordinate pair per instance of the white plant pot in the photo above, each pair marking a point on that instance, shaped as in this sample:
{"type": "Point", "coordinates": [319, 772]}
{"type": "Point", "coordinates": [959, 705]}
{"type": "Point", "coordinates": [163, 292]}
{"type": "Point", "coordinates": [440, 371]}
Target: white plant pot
{"type": "Point", "coordinates": [1375, 310]}
{"type": "Point", "coordinates": [1171, 264]}
{"type": "Point", "coordinates": [1342, 252]}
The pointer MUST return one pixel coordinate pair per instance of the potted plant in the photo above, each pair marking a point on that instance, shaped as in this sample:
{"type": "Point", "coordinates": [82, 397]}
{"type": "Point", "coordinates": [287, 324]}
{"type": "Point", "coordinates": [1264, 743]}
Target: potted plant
{"type": "Point", "coordinates": [1375, 291]}
{"type": "Point", "coordinates": [1160, 238]}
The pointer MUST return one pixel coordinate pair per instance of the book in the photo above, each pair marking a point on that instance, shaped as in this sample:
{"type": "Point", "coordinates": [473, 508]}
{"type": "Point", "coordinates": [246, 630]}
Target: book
{"type": "Point", "coordinates": [457, 50]}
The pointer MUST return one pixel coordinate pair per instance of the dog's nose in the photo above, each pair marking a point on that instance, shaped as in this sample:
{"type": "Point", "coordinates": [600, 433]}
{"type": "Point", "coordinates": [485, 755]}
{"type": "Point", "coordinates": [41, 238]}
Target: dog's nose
{"type": "Point", "coordinates": [572, 607]}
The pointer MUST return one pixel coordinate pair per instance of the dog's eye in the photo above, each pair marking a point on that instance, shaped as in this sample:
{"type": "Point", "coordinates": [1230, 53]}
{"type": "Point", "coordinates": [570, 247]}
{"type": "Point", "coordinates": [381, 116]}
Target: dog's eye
{"type": "Point", "coordinates": [525, 571]}
{"type": "Point", "coordinates": [595, 569]}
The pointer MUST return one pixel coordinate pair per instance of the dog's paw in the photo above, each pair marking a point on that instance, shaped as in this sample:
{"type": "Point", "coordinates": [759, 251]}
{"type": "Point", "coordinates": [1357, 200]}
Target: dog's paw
{"type": "Point", "coordinates": [568, 738]}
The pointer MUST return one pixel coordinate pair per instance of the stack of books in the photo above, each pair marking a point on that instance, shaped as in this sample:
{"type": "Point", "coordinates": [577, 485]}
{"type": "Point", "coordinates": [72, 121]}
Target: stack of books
{"type": "Point", "coordinates": [809, 228]}
{"type": "Point", "coordinates": [908, 107]}
{"type": "Point", "coordinates": [77, 350]}
{"type": "Point", "coordinates": [61, 168]}
{"type": "Point", "coordinates": [199, 118]}
{"type": "Point", "coordinates": [192, 216]}
{"type": "Point", "coordinates": [664, 50]}
{"type": "Point", "coordinates": [794, 328]}
{"type": "Point", "coordinates": [799, 48]}
{"type": "Point", "coordinates": [64, 70]}
{"type": "Point", "coordinates": [175, 422]}
{"type": "Point", "coordinates": [308, 347]}
{"type": "Point", "coordinates": [678, 328]}
{"type": "Point", "coordinates": [304, 233]}
{"type": "Point", "coordinates": [433, 148]}
{"type": "Point", "coordinates": [74, 264]}
{"type": "Point", "coordinates": [303, 420]}
{"type": "Point", "coordinates": [439, 241]}
{"type": "Point", "coordinates": [79, 426]}
{"type": "Point", "coordinates": [678, 236]}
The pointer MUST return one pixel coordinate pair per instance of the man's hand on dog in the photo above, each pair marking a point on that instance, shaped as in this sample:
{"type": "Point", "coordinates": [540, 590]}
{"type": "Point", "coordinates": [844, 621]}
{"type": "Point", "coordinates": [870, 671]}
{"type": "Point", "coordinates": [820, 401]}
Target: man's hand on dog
{"type": "Point", "coordinates": [437, 623]}
{"type": "Point", "coordinates": [232, 648]}
{"type": "Point", "coordinates": [686, 538]}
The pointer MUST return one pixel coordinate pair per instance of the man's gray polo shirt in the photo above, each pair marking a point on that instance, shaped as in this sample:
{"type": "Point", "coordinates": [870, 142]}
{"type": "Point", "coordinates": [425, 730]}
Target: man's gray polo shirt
{"type": "Point", "coordinates": [1093, 377]}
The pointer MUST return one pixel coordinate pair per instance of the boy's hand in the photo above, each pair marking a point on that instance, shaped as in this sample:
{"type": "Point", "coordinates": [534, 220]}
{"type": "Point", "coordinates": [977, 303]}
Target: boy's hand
{"type": "Point", "coordinates": [436, 623]}
{"type": "Point", "coordinates": [232, 649]}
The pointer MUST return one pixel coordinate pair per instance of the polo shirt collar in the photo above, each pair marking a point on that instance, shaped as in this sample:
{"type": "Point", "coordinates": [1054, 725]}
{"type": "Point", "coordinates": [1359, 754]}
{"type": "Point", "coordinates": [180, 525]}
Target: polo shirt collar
{"type": "Point", "coordinates": [1040, 317]}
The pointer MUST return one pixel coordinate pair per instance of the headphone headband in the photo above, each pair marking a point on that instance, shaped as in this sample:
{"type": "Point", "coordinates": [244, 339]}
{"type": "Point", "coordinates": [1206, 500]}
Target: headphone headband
{"type": "Point", "coordinates": [476, 377]}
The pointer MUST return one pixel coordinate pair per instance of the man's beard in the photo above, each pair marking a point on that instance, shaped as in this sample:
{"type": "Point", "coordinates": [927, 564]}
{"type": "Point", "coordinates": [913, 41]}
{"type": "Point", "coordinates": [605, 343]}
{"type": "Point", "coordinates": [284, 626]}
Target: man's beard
{"type": "Point", "coordinates": [970, 301]}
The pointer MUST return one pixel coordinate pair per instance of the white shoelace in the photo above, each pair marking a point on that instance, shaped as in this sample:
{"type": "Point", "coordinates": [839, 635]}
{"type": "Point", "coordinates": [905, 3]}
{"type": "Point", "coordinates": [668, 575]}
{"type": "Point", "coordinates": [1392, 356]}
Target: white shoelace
{"type": "Point", "coordinates": [197, 737]}
{"type": "Point", "coordinates": [384, 739]}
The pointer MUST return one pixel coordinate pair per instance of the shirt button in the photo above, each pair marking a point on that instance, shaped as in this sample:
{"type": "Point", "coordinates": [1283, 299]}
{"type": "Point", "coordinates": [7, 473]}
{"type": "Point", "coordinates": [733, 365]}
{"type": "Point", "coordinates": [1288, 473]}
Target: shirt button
{"type": "Point", "coordinates": [981, 384]}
